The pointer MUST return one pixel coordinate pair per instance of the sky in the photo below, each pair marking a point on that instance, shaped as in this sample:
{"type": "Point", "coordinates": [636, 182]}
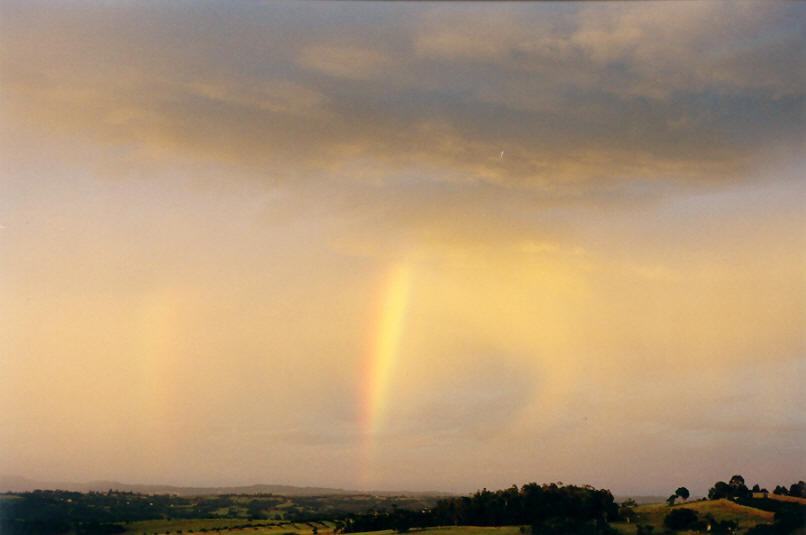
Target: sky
{"type": "Point", "coordinates": [423, 246]}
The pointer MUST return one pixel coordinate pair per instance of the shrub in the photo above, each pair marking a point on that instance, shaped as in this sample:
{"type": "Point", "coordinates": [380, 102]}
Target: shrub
{"type": "Point", "coordinates": [681, 519]}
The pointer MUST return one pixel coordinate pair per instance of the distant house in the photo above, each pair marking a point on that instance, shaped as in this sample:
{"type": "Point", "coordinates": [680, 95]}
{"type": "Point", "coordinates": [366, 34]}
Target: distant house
{"type": "Point", "coordinates": [761, 494]}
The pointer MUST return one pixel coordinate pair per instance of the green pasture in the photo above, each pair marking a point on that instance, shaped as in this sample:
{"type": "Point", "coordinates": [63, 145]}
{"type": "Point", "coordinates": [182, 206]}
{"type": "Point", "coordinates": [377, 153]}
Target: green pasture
{"type": "Point", "coordinates": [212, 526]}
{"type": "Point", "coordinates": [650, 514]}
{"type": "Point", "coordinates": [473, 530]}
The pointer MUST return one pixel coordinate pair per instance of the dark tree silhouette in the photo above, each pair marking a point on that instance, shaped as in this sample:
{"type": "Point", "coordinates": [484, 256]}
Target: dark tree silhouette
{"type": "Point", "coordinates": [734, 489]}
{"type": "Point", "coordinates": [546, 508]}
{"type": "Point", "coordinates": [780, 490]}
{"type": "Point", "coordinates": [719, 490]}
{"type": "Point", "coordinates": [680, 519]}
{"type": "Point", "coordinates": [737, 486]}
{"type": "Point", "coordinates": [798, 489]}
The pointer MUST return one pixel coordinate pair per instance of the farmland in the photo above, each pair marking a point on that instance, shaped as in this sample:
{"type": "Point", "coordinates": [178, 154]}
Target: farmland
{"type": "Point", "coordinates": [721, 510]}
{"type": "Point", "coordinates": [547, 509]}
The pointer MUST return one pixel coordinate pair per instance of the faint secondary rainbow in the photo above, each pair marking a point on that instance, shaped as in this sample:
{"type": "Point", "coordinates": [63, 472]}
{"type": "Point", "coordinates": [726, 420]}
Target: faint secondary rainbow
{"type": "Point", "coordinates": [159, 348]}
{"type": "Point", "coordinates": [383, 351]}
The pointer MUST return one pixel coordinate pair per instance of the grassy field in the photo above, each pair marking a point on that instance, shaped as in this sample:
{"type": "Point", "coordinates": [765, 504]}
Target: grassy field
{"type": "Point", "coordinates": [721, 510]}
{"type": "Point", "coordinates": [790, 499]}
{"type": "Point", "coordinates": [214, 526]}
{"type": "Point", "coordinates": [648, 514]}
{"type": "Point", "coordinates": [226, 525]}
{"type": "Point", "coordinates": [471, 530]}
{"type": "Point", "coordinates": [652, 514]}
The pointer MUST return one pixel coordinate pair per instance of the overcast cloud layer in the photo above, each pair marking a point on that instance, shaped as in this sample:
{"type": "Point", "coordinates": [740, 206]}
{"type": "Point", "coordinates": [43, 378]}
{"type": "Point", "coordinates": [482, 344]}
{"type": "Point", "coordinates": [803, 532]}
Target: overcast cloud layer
{"type": "Point", "coordinates": [600, 204]}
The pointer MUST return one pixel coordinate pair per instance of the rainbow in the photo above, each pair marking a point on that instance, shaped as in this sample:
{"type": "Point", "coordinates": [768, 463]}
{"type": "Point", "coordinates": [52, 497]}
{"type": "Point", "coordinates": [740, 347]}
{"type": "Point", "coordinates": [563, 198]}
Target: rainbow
{"type": "Point", "coordinates": [383, 352]}
{"type": "Point", "coordinates": [159, 321]}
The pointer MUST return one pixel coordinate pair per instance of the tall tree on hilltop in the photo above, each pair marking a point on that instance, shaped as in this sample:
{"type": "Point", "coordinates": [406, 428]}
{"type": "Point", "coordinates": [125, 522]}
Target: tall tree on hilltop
{"type": "Point", "coordinates": [798, 489]}
{"type": "Point", "coordinates": [737, 487]}
{"type": "Point", "coordinates": [719, 490]}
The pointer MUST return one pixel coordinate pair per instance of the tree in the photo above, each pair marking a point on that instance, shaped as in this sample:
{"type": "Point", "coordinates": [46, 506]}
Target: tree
{"type": "Point", "coordinates": [798, 489]}
{"type": "Point", "coordinates": [780, 491]}
{"type": "Point", "coordinates": [719, 490]}
{"type": "Point", "coordinates": [626, 511]}
{"type": "Point", "coordinates": [683, 493]}
{"type": "Point", "coordinates": [680, 519]}
{"type": "Point", "coordinates": [401, 521]}
{"type": "Point", "coordinates": [670, 500]}
{"type": "Point", "coordinates": [718, 528]}
{"type": "Point", "coordinates": [736, 481]}
{"type": "Point", "coordinates": [733, 489]}
{"type": "Point", "coordinates": [737, 487]}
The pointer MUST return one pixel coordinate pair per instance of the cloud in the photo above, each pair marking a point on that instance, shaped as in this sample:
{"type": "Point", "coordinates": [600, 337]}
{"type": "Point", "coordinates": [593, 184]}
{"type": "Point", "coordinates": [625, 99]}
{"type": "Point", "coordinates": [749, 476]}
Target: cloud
{"type": "Point", "coordinates": [275, 96]}
{"type": "Point", "coordinates": [580, 109]}
{"type": "Point", "coordinates": [344, 61]}
{"type": "Point", "coordinates": [634, 50]}
{"type": "Point", "coordinates": [208, 206]}
{"type": "Point", "coordinates": [718, 47]}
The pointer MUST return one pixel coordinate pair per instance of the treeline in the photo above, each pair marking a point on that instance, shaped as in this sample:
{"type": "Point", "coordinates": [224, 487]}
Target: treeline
{"type": "Point", "coordinates": [112, 506]}
{"type": "Point", "coordinates": [797, 490]}
{"type": "Point", "coordinates": [736, 488]}
{"type": "Point", "coordinates": [316, 508]}
{"type": "Point", "coordinates": [789, 515]}
{"type": "Point", "coordinates": [548, 509]}
{"type": "Point", "coordinates": [59, 511]}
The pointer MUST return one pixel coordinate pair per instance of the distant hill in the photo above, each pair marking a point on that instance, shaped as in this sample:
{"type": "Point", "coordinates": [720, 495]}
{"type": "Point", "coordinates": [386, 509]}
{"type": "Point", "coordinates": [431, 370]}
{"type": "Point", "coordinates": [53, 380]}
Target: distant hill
{"type": "Point", "coordinates": [9, 483]}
